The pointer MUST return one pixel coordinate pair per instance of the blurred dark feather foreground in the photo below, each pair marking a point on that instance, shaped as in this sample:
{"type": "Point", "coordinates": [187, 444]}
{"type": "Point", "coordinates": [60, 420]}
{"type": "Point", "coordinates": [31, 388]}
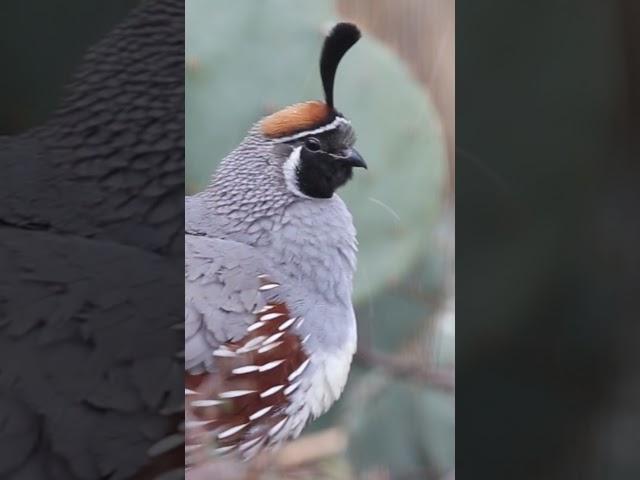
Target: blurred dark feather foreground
{"type": "Point", "coordinates": [91, 251]}
{"type": "Point", "coordinates": [396, 417]}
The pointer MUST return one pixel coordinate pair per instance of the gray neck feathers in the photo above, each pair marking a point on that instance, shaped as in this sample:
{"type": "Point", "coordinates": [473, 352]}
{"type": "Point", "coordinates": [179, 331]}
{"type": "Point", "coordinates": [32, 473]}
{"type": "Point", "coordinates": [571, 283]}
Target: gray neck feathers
{"type": "Point", "coordinates": [309, 242]}
{"type": "Point", "coordinates": [249, 184]}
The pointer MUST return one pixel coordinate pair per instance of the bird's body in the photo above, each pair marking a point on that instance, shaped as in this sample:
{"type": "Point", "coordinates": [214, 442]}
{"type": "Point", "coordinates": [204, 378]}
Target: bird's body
{"type": "Point", "coordinates": [270, 253]}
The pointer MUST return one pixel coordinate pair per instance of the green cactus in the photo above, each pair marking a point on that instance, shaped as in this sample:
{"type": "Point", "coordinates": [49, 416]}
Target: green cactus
{"type": "Point", "coordinates": [406, 429]}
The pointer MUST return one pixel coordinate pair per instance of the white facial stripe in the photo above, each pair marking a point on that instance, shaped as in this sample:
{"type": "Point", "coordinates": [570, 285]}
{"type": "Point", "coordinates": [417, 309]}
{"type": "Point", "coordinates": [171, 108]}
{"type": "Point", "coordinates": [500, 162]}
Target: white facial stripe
{"type": "Point", "coordinates": [330, 126]}
{"type": "Point", "coordinates": [290, 172]}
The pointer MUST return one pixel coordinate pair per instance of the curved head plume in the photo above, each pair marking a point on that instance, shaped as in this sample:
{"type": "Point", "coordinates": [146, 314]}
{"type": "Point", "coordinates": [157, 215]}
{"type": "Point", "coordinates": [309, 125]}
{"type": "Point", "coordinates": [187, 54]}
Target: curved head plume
{"type": "Point", "coordinates": [340, 39]}
{"type": "Point", "coordinates": [308, 116]}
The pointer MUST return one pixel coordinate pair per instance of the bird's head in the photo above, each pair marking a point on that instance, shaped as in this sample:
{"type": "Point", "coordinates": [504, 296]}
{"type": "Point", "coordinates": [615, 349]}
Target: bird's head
{"type": "Point", "coordinates": [312, 142]}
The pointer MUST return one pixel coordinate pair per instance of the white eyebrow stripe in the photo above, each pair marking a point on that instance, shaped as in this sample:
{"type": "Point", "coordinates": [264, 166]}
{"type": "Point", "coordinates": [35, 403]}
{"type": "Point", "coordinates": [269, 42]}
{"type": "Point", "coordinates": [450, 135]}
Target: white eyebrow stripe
{"type": "Point", "coordinates": [324, 128]}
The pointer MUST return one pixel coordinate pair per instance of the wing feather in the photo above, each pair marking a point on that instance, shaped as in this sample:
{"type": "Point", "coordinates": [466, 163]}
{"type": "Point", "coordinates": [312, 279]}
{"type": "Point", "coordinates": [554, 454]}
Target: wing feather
{"type": "Point", "coordinates": [221, 292]}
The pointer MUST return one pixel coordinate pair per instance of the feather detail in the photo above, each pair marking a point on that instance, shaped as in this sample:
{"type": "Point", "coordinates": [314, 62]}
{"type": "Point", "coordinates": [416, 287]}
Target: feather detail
{"type": "Point", "coordinates": [296, 118]}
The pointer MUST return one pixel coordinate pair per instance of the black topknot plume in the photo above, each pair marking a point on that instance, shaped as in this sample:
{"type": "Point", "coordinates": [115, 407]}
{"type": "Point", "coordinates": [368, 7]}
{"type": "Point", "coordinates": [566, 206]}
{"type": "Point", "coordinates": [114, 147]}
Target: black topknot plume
{"type": "Point", "coordinates": [340, 39]}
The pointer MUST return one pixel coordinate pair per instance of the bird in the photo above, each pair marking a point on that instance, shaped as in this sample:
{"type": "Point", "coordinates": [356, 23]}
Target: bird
{"type": "Point", "coordinates": [270, 256]}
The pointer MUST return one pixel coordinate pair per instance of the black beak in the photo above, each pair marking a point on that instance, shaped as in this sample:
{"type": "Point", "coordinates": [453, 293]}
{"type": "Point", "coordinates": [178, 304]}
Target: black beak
{"type": "Point", "coordinates": [354, 159]}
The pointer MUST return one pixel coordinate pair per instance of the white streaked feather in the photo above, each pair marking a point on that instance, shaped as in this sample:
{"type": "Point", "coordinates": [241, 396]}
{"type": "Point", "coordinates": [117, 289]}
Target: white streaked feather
{"type": "Point", "coordinates": [206, 403]}
{"type": "Point", "coordinates": [298, 371]}
{"type": "Point", "coordinates": [198, 423]}
{"type": "Point", "coordinates": [245, 369]}
{"type": "Point", "coordinates": [292, 387]}
{"type": "Point", "coordinates": [287, 324]}
{"type": "Point", "coordinates": [273, 338]}
{"type": "Point", "coordinates": [235, 393]}
{"type": "Point", "coordinates": [232, 431]}
{"type": "Point", "coordinates": [223, 450]}
{"type": "Point", "coordinates": [264, 309]}
{"type": "Point", "coordinates": [260, 413]}
{"type": "Point", "coordinates": [250, 443]}
{"type": "Point", "coordinates": [223, 352]}
{"type": "Point", "coordinates": [268, 286]}
{"type": "Point", "coordinates": [251, 344]}
{"type": "Point", "coordinates": [271, 391]}
{"type": "Point", "coordinates": [255, 326]}
{"type": "Point", "coordinates": [271, 346]}
{"type": "Point", "coordinates": [277, 427]}
{"type": "Point", "coordinates": [271, 365]}
{"type": "Point", "coordinates": [271, 316]}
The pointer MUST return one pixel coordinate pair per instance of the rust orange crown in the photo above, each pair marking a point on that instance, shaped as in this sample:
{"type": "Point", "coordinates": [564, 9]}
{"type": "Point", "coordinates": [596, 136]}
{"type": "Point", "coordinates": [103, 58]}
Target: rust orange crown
{"type": "Point", "coordinates": [313, 114]}
{"type": "Point", "coordinates": [296, 118]}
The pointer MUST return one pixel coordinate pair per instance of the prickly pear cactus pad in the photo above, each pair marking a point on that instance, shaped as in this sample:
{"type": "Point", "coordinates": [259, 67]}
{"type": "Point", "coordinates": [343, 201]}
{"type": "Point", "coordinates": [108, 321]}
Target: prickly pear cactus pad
{"type": "Point", "coordinates": [247, 59]}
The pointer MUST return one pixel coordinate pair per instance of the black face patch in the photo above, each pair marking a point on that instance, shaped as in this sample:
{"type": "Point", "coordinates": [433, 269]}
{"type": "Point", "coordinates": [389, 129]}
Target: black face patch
{"type": "Point", "coordinates": [326, 161]}
{"type": "Point", "coordinates": [320, 174]}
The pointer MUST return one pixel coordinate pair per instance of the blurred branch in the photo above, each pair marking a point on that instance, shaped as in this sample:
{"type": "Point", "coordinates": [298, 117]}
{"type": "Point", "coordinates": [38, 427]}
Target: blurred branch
{"type": "Point", "coordinates": [443, 379]}
{"type": "Point", "coordinates": [313, 447]}
{"type": "Point", "coordinates": [219, 470]}
{"type": "Point", "coordinates": [295, 456]}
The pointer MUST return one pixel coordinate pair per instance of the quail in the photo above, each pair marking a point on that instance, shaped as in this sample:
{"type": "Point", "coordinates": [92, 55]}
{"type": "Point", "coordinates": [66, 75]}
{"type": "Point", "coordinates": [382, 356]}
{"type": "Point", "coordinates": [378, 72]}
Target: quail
{"type": "Point", "coordinates": [270, 254]}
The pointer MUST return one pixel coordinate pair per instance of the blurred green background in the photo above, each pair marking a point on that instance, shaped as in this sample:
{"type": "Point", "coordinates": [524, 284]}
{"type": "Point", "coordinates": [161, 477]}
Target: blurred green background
{"type": "Point", "coordinates": [247, 59]}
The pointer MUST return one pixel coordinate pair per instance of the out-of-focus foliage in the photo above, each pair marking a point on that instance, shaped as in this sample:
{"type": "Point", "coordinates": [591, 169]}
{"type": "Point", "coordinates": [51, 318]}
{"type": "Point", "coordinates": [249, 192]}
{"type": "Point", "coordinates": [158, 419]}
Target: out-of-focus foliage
{"type": "Point", "coordinates": [404, 427]}
{"type": "Point", "coordinates": [247, 59]}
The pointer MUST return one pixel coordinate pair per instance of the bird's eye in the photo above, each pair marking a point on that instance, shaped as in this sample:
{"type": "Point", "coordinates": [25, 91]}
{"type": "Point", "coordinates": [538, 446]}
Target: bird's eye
{"type": "Point", "coordinates": [312, 144]}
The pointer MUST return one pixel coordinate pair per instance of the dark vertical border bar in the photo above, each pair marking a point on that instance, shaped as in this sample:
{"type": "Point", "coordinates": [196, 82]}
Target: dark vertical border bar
{"type": "Point", "coordinates": [547, 239]}
{"type": "Point", "coordinates": [91, 241]}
